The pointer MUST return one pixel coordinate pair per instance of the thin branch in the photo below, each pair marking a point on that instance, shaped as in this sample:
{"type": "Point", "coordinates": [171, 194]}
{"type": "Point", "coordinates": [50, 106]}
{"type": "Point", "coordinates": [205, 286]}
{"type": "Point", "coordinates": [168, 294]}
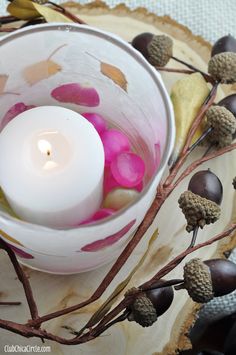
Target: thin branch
{"type": "Point", "coordinates": [200, 139]}
{"type": "Point", "coordinates": [8, 29]}
{"type": "Point", "coordinates": [173, 70]}
{"type": "Point", "coordinates": [202, 160]}
{"type": "Point", "coordinates": [147, 221]}
{"type": "Point", "coordinates": [194, 237]}
{"type": "Point", "coordinates": [192, 67]}
{"type": "Point", "coordinates": [8, 19]}
{"type": "Point", "coordinates": [10, 303]}
{"type": "Point", "coordinates": [22, 278]}
{"type": "Point", "coordinates": [155, 207]}
{"type": "Point", "coordinates": [173, 263]}
{"type": "Point", "coordinates": [67, 13]}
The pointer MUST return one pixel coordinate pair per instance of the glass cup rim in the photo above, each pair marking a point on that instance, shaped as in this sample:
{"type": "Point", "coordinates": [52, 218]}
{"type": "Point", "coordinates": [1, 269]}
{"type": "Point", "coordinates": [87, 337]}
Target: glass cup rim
{"type": "Point", "coordinates": [118, 41]}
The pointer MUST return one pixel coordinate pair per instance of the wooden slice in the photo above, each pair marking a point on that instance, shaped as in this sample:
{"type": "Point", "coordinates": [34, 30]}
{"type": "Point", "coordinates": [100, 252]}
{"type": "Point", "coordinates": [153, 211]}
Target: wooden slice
{"type": "Point", "coordinates": [169, 333]}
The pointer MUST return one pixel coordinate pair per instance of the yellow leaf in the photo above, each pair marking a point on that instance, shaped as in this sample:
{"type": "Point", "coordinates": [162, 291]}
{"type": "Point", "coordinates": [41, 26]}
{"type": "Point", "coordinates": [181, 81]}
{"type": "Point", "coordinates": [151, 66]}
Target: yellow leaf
{"type": "Point", "coordinates": [22, 9]}
{"type": "Point", "coordinates": [9, 238]}
{"type": "Point", "coordinates": [41, 70]}
{"type": "Point", "coordinates": [3, 81]}
{"type": "Point", "coordinates": [115, 74]}
{"type": "Point", "coordinates": [106, 306]}
{"type": "Point", "coordinates": [50, 15]}
{"type": "Point", "coordinates": [187, 95]}
{"type": "Point", "coordinates": [4, 205]}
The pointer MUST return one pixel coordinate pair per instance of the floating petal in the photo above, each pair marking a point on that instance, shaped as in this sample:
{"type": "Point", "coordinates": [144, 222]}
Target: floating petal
{"type": "Point", "coordinates": [128, 169]}
{"type": "Point", "coordinates": [97, 121]}
{"type": "Point", "coordinates": [75, 93]}
{"type": "Point", "coordinates": [114, 143]}
{"type": "Point", "coordinates": [110, 240]}
{"type": "Point", "coordinates": [21, 253]}
{"type": "Point", "coordinates": [15, 110]}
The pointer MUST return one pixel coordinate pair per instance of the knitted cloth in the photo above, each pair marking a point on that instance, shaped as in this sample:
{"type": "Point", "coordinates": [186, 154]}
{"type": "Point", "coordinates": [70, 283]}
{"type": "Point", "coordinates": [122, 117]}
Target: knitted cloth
{"type": "Point", "coordinates": [221, 306]}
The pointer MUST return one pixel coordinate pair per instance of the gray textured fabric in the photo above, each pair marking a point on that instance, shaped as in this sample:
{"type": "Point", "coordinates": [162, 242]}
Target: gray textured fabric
{"type": "Point", "coordinates": [209, 18]}
{"type": "Point", "coordinates": [221, 306]}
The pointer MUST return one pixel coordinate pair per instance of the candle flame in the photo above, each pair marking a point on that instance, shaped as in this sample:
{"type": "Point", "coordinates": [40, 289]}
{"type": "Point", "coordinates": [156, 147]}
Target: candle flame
{"type": "Point", "coordinates": [44, 146]}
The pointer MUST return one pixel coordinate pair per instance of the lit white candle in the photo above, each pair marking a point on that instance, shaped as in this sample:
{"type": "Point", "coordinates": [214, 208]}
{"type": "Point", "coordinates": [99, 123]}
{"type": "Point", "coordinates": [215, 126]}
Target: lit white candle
{"type": "Point", "coordinates": [51, 166]}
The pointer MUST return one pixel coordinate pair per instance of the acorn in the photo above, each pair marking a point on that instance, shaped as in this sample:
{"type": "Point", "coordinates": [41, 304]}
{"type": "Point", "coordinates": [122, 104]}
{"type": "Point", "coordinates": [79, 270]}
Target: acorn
{"type": "Point", "coordinates": [205, 280]}
{"type": "Point", "coordinates": [222, 67]}
{"type": "Point", "coordinates": [141, 43]}
{"type": "Point", "coordinates": [157, 49]}
{"type": "Point", "coordinates": [151, 304]}
{"type": "Point", "coordinates": [223, 123]}
{"type": "Point", "coordinates": [224, 44]}
{"type": "Point", "coordinates": [229, 102]}
{"type": "Point", "coordinates": [206, 184]}
{"type": "Point", "coordinates": [200, 204]}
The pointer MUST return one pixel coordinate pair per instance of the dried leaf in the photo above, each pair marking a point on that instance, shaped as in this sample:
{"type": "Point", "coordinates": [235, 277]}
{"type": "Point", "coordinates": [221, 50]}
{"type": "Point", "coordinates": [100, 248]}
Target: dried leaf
{"type": "Point", "coordinates": [26, 10]}
{"type": "Point", "coordinates": [115, 74]}
{"type": "Point", "coordinates": [106, 306]}
{"type": "Point", "coordinates": [50, 15]}
{"type": "Point", "coordinates": [3, 81]}
{"type": "Point", "coordinates": [187, 95]}
{"type": "Point", "coordinates": [22, 9]}
{"type": "Point", "coordinates": [4, 205]}
{"type": "Point", "coordinates": [41, 70]}
{"type": "Point", "coordinates": [9, 238]}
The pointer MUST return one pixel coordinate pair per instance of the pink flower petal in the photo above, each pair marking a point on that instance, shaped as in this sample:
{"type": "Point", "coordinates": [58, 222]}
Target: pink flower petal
{"type": "Point", "coordinates": [109, 182]}
{"type": "Point", "coordinates": [110, 240]}
{"type": "Point", "coordinates": [13, 112]}
{"type": "Point", "coordinates": [128, 169]}
{"type": "Point", "coordinates": [100, 214]}
{"type": "Point", "coordinates": [20, 253]}
{"type": "Point", "coordinates": [114, 142]}
{"type": "Point", "coordinates": [75, 93]}
{"type": "Point", "coordinates": [97, 121]}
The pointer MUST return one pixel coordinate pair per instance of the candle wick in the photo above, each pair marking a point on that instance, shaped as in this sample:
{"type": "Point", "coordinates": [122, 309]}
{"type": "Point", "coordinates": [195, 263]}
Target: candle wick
{"type": "Point", "coordinates": [48, 152]}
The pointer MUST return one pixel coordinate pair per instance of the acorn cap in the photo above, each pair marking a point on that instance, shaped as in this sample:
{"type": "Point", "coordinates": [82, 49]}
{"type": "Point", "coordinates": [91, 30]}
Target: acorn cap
{"type": "Point", "coordinates": [224, 124]}
{"type": "Point", "coordinates": [222, 67]}
{"type": "Point", "coordinates": [160, 50]}
{"type": "Point", "coordinates": [197, 281]}
{"type": "Point", "coordinates": [143, 311]}
{"type": "Point", "coordinates": [198, 210]}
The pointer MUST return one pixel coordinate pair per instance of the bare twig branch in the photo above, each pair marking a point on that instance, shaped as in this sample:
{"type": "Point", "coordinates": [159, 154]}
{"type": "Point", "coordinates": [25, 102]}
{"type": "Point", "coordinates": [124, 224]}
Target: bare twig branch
{"type": "Point", "coordinates": [22, 278]}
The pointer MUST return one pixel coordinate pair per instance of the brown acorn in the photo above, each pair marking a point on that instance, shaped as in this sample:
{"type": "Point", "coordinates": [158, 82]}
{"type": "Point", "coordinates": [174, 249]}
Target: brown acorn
{"type": "Point", "coordinates": [207, 279]}
{"type": "Point", "coordinates": [157, 49]}
{"type": "Point", "coordinates": [224, 44]}
{"type": "Point", "coordinates": [206, 184]}
{"type": "Point", "coordinates": [151, 304]}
